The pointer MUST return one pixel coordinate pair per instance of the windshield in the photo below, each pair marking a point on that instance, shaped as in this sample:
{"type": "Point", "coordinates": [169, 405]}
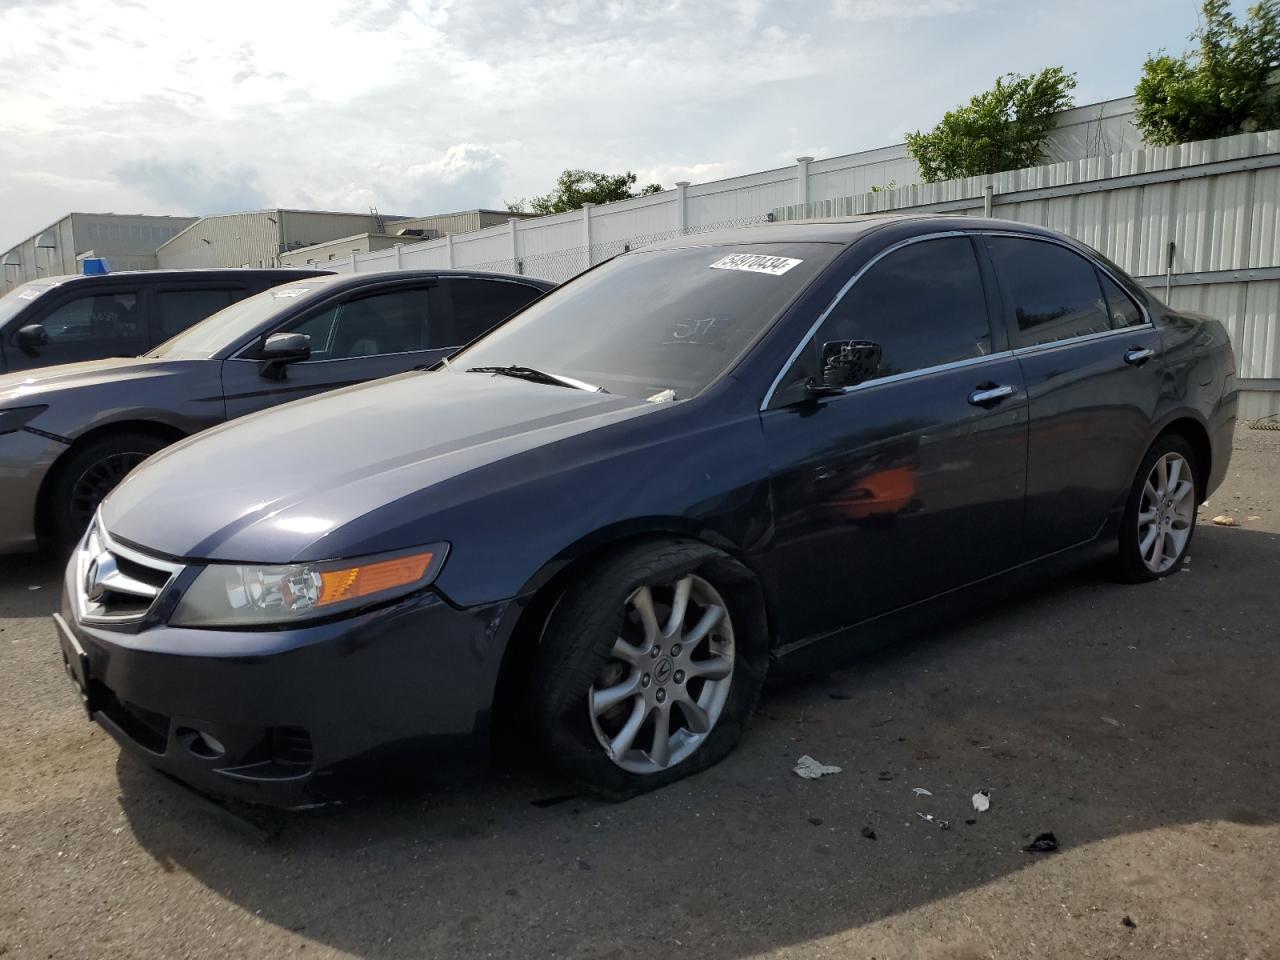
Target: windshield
{"type": "Point", "coordinates": [19, 298]}
{"type": "Point", "coordinates": [228, 327]}
{"type": "Point", "coordinates": [651, 322]}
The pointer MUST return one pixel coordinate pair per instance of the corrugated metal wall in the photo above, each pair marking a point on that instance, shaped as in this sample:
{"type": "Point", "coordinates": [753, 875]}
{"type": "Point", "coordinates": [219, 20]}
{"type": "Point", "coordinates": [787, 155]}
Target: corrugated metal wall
{"type": "Point", "coordinates": [1216, 201]}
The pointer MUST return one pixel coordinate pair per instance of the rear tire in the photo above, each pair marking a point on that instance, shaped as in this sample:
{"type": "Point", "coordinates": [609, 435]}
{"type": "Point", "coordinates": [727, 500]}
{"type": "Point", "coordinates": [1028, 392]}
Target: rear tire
{"type": "Point", "coordinates": [86, 477]}
{"type": "Point", "coordinates": [1160, 514]}
{"type": "Point", "coordinates": [649, 668]}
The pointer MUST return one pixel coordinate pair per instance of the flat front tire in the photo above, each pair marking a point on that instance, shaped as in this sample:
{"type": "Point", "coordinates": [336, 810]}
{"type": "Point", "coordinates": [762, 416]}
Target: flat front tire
{"type": "Point", "coordinates": [649, 668]}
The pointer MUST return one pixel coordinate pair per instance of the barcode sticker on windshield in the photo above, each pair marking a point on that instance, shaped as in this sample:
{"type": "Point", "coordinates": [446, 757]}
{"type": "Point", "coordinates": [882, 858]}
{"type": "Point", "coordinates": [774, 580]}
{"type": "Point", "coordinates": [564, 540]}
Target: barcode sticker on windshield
{"type": "Point", "coordinates": [756, 263]}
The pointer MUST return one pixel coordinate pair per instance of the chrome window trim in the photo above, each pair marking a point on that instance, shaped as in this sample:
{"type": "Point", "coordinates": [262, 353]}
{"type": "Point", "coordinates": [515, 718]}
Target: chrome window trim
{"type": "Point", "coordinates": [927, 371]}
{"type": "Point", "coordinates": [1016, 351]}
{"type": "Point", "coordinates": [1083, 338]}
{"type": "Point", "coordinates": [82, 561]}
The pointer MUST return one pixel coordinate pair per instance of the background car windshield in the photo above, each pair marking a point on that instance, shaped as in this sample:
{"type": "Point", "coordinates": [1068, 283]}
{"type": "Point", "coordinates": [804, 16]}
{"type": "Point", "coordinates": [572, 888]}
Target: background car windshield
{"type": "Point", "coordinates": [18, 299]}
{"type": "Point", "coordinates": [228, 327]}
{"type": "Point", "coordinates": [654, 321]}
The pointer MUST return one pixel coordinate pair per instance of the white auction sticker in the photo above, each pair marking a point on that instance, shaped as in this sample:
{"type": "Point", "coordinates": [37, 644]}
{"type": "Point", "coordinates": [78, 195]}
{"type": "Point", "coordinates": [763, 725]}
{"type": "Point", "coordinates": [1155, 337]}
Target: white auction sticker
{"type": "Point", "coordinates": [756, 263]}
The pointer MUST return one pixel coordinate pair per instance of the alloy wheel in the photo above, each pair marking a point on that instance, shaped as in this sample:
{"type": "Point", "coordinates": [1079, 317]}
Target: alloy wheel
{"type": "Point", "coordinates": [664, 687]}
{"type": "Point", "coordinates": [1166, 512]}
{"type": "Point", "coordinates": [101, 477]}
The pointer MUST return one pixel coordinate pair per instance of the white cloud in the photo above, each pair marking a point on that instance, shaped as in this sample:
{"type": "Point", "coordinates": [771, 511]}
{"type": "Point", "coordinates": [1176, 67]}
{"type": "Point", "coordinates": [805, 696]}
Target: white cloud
{"type": "Point", "coordinates": [418, 106]}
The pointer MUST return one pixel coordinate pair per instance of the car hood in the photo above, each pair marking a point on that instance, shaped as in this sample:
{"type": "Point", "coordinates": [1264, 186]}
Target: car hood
{"type": "Point", "coordinates": [283, 484]}
{"type": "Point", "coordinates": [34, 385]}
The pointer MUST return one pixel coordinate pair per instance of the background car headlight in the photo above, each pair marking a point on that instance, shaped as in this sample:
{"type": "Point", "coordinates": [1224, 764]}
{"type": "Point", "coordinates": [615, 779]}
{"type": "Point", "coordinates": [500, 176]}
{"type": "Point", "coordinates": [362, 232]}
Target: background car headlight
{"type": "Point", "coordinates": [15, 418]}
{"type": "Point", "coordinates": [227, 595]}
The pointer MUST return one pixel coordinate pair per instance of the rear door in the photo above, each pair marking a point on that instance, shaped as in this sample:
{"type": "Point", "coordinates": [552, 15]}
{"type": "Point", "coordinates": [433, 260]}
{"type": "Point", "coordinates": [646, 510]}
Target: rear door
{"type": "Point", "coordinates": [911, 483]}
{"type": "Point", "coordinates": [1090, 357]}
{"type": "Point", "coordinates": [365, 334]}
{"type": "Point", "coordinates": [85, 321]}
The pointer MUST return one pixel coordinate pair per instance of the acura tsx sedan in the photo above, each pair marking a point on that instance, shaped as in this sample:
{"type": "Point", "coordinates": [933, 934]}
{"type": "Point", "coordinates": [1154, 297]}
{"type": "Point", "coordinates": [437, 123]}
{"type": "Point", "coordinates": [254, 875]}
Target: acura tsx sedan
{"type": "Point", "coordinates": [612, 516]}
{"type": "Point", "coordinates": [70, 433]}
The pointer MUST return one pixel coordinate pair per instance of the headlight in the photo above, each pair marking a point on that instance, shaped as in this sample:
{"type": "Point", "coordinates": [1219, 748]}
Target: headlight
{"type": "Point", "coordinates": [231, 595]}
{"type": "Point", "coordinates": [16, 418]}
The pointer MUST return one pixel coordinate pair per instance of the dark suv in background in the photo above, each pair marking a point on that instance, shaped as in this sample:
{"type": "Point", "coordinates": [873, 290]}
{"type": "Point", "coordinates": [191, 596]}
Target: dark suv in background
{"type": "Point", "coordinates": [65, 319]}
{"type": "Point", "coordinates": [69, 434]}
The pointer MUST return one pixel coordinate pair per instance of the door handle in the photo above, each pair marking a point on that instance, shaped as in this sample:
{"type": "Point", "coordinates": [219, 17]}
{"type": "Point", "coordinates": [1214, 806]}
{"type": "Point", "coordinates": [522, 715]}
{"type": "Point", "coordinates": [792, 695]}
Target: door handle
{"type": "Point", "coordinates": [990, 394]}
{"type": "Point", "coordinates": [1137, 356]}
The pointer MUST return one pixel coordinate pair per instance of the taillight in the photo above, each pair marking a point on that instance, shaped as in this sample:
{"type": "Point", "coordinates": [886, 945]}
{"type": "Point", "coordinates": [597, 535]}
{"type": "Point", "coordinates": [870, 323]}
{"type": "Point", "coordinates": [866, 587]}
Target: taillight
{"type": "Point", "coordinates": [1231, 361]}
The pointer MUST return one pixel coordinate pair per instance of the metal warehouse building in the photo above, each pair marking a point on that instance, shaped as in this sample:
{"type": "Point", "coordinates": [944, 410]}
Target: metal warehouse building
{"type": "Point", "coordinates": [127, 242]}
{"type": "Point", "coordinates": [260, 238]}
{"type": "Point", "coordinates": [412, 230]}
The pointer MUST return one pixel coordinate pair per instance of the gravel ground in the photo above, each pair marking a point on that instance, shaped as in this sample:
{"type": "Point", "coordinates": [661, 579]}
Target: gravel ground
{"type": "Point", "coordinates": [1136, 723]}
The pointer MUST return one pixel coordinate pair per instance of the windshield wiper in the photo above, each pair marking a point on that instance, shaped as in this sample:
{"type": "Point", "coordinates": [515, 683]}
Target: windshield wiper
{"type": "Point", "coordinates": [538, 376]}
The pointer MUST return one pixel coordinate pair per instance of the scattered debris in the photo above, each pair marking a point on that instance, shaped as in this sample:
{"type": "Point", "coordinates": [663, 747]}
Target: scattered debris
{"type": "Point", "coordinates": [982, 801]}
{"type": "Point", "coordinates": [1111, 720]}
{"type": "Point", "coordinates": [811, 769]}
{"type": "Point", "coordinates": [868, 833]}
{"type": "Point", "coordinates": [34, 586]}
{"type": "Point", "coordinates": [1225, 520]}
{"type": "Point", "coordinates": [1044, 843]}
{"type": "Point", "coordinates": [884, 775]}
{"type": "Point", "coordinates": [921, 792]}
{"type": "Point", "coordinates": [816, 821]}
{"type": "Point", "coordinates": [1128, 922]}
{"type": "Point", "coordinates": [970, 823]}
{"type": "Point", "coordinates": [840, 695]}
{"type": "Point", "coordinates": [936, 821]}
{"type": "Point", "coordinates": [1255, 518]}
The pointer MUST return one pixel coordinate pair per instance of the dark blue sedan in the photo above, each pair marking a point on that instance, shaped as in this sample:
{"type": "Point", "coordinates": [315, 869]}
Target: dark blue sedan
{"type": "Point", "coordinates": [609, 519]}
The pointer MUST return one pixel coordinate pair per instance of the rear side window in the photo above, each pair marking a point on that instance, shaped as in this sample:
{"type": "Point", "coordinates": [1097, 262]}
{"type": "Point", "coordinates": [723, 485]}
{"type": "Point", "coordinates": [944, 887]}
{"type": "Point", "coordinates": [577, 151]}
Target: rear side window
{"type": "Point", "coordinates": [923, 304]}
{"type": "Point", "coordinates": [1054, 292]}
{"type": "Point", "coordinates": [178, 309]}
{"type": "Point", "coordinates": [1124, 312]}
{"type": "Point", "coordinates": [478, 305]}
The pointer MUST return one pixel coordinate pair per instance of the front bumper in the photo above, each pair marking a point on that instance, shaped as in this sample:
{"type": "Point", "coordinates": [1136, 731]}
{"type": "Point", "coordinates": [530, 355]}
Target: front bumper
{"type": "Point", "coordinates": [291, 717]}
{"type": "Point", "coordinates": [25, 459]}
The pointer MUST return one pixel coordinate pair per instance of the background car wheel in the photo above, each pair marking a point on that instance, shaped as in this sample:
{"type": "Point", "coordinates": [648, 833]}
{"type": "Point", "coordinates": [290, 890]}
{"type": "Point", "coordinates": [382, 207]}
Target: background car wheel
{"type": "Point", "coordinates": [1160, 514]}
{"type": "Point", "coordinates": [649, 668]}
{"type": "Point", "coordinates": [88, 475]}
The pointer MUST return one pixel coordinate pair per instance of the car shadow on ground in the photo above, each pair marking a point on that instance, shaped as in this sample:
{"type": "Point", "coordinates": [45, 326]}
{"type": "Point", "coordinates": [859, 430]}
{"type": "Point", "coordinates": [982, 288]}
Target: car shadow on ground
{"type": "Point", "coordinates": [1089, 709]}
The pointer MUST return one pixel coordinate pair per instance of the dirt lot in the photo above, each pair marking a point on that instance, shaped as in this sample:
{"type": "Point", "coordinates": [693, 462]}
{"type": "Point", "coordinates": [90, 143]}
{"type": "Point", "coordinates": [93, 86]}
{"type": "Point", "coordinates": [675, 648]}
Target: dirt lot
{"type": "Point", "coordinates": [1136, 723]}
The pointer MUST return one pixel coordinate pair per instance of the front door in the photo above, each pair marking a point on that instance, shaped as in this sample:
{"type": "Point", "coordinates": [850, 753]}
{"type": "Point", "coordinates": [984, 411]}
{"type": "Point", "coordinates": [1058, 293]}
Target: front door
{"type": "Point", "coordinates": [910, 483]}
{"type": "Point", "coordinates": [370, 334]}
{"type": "Point", "coordinates": [1092, 365]}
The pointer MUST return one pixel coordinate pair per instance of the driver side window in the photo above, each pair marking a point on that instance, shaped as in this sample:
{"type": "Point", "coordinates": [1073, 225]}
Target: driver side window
{"type": "Point", "coordinates": [395, 321]}
{"type": "Point", "coordinates": [923, 304]}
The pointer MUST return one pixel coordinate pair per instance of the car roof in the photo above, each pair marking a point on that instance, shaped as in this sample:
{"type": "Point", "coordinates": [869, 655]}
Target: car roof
{"type": "Point", "coordinates": [838, 230]}
{"type": "Point", "coordinates": [375, 276]}
{"type": "Point", "coordinates": [284, 273]}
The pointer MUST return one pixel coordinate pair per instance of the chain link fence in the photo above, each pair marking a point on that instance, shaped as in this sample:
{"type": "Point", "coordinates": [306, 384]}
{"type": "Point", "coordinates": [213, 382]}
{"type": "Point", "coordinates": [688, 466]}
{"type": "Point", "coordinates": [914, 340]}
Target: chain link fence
{"type": "Point", "coordinates": [565, 264]}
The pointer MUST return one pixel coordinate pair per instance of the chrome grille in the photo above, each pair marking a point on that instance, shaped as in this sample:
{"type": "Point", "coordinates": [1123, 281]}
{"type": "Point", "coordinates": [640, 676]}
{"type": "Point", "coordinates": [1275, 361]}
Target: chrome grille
{"type": "Point", "coordinates": [115, 583]}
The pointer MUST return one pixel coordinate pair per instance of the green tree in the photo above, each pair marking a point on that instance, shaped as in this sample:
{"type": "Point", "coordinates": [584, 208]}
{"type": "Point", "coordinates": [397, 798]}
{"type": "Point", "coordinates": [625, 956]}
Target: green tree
{"type": "Point", "coordinates": [575, 187]}
{"type": "Point", "coordinates": [1003, 128]}
{"type": "Point", "coordinates": [1221, 87]}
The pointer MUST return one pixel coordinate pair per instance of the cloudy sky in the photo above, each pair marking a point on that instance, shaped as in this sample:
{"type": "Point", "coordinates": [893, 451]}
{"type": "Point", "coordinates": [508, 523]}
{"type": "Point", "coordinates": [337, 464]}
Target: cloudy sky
{"type": "Point", "coordinates": [426, 106]}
